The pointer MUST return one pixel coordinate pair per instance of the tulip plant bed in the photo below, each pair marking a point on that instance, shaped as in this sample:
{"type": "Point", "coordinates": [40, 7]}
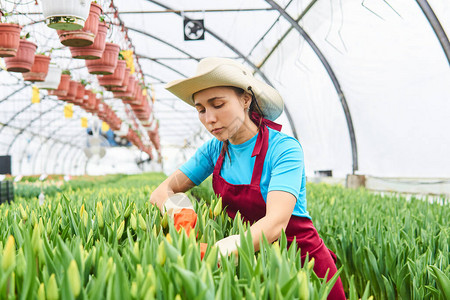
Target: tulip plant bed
{"type": "Point", "coordinates": [99, 237]}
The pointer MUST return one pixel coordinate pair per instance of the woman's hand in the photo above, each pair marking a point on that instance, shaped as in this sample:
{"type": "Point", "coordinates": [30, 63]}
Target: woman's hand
{"type": "Point", "coordinates": [178, 182]}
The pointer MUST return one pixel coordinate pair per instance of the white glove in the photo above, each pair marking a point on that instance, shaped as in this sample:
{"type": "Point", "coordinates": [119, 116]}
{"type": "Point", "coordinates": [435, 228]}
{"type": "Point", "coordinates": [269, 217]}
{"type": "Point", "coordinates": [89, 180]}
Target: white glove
{"type": "Point", "coordinates": [176, 203]}
{"type": "Point", "coordinates": [229, 245]}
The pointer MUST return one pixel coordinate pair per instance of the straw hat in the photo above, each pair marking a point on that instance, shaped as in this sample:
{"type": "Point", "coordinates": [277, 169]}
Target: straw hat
{"type": "Point", "coordinates": [216, 71]}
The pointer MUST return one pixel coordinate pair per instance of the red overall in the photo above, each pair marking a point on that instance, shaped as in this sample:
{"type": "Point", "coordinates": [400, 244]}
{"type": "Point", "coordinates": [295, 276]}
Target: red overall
{"type": "Point", "coordinates": [248, 200]}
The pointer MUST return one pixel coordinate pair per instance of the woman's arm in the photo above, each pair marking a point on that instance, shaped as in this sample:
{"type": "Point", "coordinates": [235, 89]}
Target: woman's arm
{"type": "Point", "coordinates": [279, 208]}
{"type": "Point", "coordinates": [178, 182]}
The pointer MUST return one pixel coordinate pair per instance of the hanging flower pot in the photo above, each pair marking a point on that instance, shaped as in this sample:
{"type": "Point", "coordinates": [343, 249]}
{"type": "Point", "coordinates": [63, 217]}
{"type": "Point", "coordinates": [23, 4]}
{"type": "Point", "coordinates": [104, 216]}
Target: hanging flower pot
{"type": "Point", "coordinates": [65, 14]}
{"type": "Point", "coordinates": [9, 39]}
{"type": "Point", "coordinates": [79, 98]}
{"type": "Point", "coordinates": [71, 92]}
{"type": "Point", "coordinates": [23, 61]}
{"type": "Point", "coordinates": [52, 79]}
{"type": "Point", "coordinates": [115, 79]}
{"type": "Point", "coordinates": [39, 69]}
{"type": "Point", "coordinates": [86, 36]}
{"type": "Point", "coordinates": [94, 51]}
{"type": "Point", "coordinates": [123, 85]}
{"type": "Point", "coordinates": [107, 64]}
{"type": "Point", "coordinates": [63, 86]}
{"type": "Point", "coordinates": [130, 89]}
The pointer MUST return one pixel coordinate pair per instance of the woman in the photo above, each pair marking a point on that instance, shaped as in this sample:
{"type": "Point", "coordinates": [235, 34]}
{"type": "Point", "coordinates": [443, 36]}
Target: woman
{"type": "Point", "coordinates": [256, 169]}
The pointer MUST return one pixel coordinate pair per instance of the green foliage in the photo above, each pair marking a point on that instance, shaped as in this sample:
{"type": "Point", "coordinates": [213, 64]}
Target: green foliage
{"type": "Point", "coordinates": [105, 229]}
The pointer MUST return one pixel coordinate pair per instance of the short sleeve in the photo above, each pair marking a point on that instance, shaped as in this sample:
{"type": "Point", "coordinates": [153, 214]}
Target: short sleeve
{"type": "Point", "coordinates": [201, 165]}
{"type": "Point", "coordinates": [287, 167]}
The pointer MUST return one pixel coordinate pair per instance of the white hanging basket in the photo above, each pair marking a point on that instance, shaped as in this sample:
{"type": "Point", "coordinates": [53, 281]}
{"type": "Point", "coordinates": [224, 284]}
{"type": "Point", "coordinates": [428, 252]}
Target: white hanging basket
{"type": "Point", "coordinates": [65, 14]}
{"type": "Point", "coordinates": [52, 80]}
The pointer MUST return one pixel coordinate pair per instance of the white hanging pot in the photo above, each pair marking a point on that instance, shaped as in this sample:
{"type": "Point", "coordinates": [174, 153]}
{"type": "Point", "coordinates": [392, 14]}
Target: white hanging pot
{"type": "Point", "coordinates": [52, 79]}
{"type": "Point", "coordinates": [65, 14]}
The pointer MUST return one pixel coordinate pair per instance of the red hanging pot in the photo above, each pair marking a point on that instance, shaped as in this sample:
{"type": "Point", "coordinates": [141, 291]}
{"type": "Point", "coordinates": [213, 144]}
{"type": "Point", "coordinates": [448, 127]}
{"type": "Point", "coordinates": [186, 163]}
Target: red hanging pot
{"type": "Point", "coordinates": [115, 79]}
{"type": "Point", "coordinates": [39, 69]}
{"type": "Point", "coordinates": [94, 51]}
{"type": "Point", "coordinates": [23, 61]}
{"type": "Point", "coordinates": [79, 98]}
{"type": "Point", "coordinates": [86, 36]}
{"type": "Point", "coordinates": [63, 86]}
{"type": "Point", "coordinates": [107, 64]}
{"type": "Point", "coordinates": [71, 92]}
{"type": "Point", "coordinates": [9, 39]}
{"type": "Point", "coordinates": [130, 89]}
{"type": "Point", "coordinates": [124, 84]}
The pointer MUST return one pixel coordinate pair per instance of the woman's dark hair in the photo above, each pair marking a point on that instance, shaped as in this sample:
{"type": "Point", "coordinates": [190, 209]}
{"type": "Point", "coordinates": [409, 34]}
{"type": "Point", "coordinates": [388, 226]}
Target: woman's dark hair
{"type": "Point", "coordinates": [253, 108]}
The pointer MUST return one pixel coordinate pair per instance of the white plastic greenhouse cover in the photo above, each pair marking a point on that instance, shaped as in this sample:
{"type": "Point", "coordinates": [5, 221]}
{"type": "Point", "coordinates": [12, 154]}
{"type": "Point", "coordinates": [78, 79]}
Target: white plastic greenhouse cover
{"type": "Point", "coordinates": [386, 57]}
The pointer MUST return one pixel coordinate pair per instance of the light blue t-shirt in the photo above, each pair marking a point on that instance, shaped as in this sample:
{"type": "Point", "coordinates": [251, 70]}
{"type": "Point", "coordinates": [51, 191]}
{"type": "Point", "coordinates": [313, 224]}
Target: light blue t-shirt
{"type": "Point", "coordinates": [283, 170]}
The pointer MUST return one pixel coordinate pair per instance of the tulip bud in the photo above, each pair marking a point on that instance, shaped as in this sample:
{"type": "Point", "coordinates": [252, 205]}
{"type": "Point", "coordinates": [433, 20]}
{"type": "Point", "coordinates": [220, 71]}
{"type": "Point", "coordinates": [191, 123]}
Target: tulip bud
{"type": "Point", "coordinates": [60, 210]}
{"type": "Point", "coordinates": [52, 288]}
{"type": "Point", "coordinates": [142, 223]}
{"type": "Point", "coordinates": [139, 274]}
{"type": "Point", "coordinates": [49, 227]}
{"type": "Point", "coordinates": [133, 222]}
{"type": "Point", "coordinates": [218, 207]}
{"type": "Point", "coordinates": [41, 292]}
{"type": "Point", "coordinates": [74, 278]}
{"type": "Point", "coordinates": [310, 264]}
{"type": "Point", "coordinates": [120, 230]}
{"type": "Point", "coordinates": [161, 254]}
{"type": "Point", "coordinates": [33, 218]}
{"type": "Point", "coordinates": [304, 289]}
{"type": "Point", "coordinates": [169, 238]}
{"type": "Point", "coordinates": [36, 239]}
{"type": "Point", "coordinates": [9, 254]}
{"type": "Point", "coordinates": [99, 214]}
{"type": "Point", "coordinates": [136, 250]}
{"type": "Point", "coordinates": [133, 291]}
{"type": "Point", "coordinates": [23, 212]}
{"type": "Point", "coordinates": [165, 221]}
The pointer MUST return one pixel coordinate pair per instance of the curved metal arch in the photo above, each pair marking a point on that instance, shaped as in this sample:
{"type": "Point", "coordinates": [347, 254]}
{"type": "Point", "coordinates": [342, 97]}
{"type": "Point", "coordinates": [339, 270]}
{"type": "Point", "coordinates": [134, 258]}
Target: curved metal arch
{"type": "Point", "coordinates": [162, 41]}
{"type": "Point", "coordinates": [29, 142]}
{"type": "Point", "coordinates": [57, 140]}
{"type": "Point", "coordinates": [436, 25]}
{"type": "Point", "coordinates": [332, 76]}
{"type": "Point", "coordinates": [241, 55]}
{"type": "Point", "coordinates": [78, 163]}
{"type": "Point", "coordinates": [29, 124]}
{"type": "Point", "coordinates": [162, 64]}
{"type": "Point", "coordinates": [66, 161]}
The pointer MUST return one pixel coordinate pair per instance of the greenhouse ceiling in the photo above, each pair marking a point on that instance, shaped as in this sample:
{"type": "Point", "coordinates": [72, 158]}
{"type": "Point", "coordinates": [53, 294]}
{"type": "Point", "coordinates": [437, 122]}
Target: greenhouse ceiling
{"type": "Point", "coordinates": [365, 83]}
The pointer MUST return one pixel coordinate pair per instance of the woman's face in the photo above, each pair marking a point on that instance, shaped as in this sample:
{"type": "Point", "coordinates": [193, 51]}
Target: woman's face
{"type": "Point", "coordinates": [222, 112]}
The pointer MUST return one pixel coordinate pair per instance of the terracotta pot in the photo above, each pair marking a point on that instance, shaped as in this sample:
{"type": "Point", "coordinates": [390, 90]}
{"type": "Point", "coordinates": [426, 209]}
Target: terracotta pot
{"type": "Point", "coordinates": [79, 98]}
{"type": "Point", "coordinates": [130, 89]}
{"type": "Point", "coordinates": [107, 64]}
{"type": "Point", "coordinates": [115, 79]}
{"type": "Point", "coordinates": [71, 92]}
{"type": "Point", "coordinates": [9, 39]}
{"type": "Point", "coordinates": [24, 59]}
{"type": "Point", "coordinates": [124, 84]}
{"type": "Point", "coordinates": [39, 69]}
{"type": "Point", "coordinates": [90, 102]}
{"type": "Point", "coordinates": [63, 86]}
{"type": "Point", "coordinates": [94, 51]}
{"type": "Point", "coordinates": [84, 37]}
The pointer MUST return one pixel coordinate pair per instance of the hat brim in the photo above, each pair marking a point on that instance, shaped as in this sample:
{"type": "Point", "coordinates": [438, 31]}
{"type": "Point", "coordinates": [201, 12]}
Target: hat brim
{"type": "Point", "coordinates": [269, 100]}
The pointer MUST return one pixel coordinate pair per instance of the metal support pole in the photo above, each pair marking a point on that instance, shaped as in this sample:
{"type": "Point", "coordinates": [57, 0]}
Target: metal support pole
{"type": "Point", "coordinates": [333, 78]}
